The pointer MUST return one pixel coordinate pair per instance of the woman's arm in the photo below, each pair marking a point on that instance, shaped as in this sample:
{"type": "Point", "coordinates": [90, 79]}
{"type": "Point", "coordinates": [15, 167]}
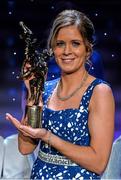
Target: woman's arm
{"type": "Point", "coordinates": [101, 127]}
{"type": "Point", "coordinates": [28, 136]}
{"type": "Point", "coordinates": [26, 144]}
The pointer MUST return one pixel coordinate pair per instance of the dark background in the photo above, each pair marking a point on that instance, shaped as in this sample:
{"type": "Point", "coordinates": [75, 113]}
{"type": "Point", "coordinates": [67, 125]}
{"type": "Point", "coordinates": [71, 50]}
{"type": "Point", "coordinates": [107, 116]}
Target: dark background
{"type": "Point", "coordinates": [38, 16]}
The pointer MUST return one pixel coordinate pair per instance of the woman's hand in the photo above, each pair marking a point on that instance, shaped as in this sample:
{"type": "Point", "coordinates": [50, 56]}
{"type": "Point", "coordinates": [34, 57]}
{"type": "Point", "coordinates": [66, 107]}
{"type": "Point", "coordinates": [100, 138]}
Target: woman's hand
{"type": "Point", "coordinates": [35, 133]}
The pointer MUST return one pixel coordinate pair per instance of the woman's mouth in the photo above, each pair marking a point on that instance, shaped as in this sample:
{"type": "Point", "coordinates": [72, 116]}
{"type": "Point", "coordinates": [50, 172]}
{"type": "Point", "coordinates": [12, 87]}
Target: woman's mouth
{"type": "Point", "coordinates": [68, 60]}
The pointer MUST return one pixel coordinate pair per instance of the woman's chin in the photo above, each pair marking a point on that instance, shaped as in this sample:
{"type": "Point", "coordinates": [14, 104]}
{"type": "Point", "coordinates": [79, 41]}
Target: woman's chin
{"type": "Point", "coordinates": [68, 71]}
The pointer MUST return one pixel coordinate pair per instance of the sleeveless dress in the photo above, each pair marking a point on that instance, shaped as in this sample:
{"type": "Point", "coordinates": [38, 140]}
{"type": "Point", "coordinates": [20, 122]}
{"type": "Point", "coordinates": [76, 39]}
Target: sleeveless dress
{"type": "Point", "coordinates": [70, 125]}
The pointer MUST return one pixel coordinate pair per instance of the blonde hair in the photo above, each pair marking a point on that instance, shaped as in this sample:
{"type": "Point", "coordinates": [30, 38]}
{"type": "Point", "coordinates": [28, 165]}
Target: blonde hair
{"type": "Point", "coordinates": [77, 18]}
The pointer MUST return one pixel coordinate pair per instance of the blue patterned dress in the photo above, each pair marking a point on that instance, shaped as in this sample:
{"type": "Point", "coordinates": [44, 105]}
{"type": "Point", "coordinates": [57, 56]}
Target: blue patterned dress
{"type": "Point", "coordinates": [70, 125]}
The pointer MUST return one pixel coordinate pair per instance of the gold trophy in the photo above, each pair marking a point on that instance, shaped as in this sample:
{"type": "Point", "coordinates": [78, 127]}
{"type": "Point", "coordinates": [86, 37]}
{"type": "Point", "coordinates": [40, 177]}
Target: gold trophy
{"type": "Point", "coordinates": [38, 69]}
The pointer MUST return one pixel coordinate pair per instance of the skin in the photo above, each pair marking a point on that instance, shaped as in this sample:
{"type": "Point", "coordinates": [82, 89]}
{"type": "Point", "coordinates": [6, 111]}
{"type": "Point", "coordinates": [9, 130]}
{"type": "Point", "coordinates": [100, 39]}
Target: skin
{"type": "Point", "coordinates": [70, 53]}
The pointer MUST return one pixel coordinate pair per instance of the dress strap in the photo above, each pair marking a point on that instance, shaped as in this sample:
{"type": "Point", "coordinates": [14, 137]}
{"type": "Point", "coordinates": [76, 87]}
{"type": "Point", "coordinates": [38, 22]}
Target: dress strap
{"type": "Point", "coordinates": [88, 93]}
{"type": "Point", "coordinates": [48, 89]}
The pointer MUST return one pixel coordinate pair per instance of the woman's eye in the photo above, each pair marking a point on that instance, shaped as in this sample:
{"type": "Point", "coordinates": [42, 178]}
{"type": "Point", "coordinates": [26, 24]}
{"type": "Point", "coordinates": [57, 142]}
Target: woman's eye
{"type": "Point", "coordinates": [75, 44]}
{"type": "Point", "coordinates": [60, 44]}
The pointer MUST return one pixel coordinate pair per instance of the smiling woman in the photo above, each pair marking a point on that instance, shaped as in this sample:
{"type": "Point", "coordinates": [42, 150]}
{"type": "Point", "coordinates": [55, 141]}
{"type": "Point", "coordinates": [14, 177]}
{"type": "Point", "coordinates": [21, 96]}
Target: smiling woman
{"type": "Point", "coordinates": [78, 109]}
{"type": "Point", "coordinates": [70, 51]}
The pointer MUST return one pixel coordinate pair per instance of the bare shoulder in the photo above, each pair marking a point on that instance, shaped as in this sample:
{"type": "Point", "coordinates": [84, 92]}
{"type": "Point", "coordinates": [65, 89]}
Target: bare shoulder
{"type": "Point", "coordinates": [102, 89]}
{"type": "Point", "coordinates": [102, 96]}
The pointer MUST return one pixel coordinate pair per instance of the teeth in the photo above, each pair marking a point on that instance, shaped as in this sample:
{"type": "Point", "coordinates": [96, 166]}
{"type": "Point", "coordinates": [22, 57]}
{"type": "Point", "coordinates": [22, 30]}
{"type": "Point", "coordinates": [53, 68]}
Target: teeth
{"type": "Point", "coordinates": [67, 59]}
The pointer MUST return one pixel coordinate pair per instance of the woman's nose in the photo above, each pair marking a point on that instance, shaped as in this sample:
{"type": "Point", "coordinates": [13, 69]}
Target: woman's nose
{"type": "Point", "coordinates": [67, 50]}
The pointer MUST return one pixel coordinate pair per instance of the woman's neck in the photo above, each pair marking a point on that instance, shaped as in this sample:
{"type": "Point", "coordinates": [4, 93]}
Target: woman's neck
{"type": "Point", "coordinates": [72, 80]}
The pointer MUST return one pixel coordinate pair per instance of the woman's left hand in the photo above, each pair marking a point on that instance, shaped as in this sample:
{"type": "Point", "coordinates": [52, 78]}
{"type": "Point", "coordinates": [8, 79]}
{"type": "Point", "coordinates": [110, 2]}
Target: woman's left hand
{"type": "Point", "coordinates": [36, 133]}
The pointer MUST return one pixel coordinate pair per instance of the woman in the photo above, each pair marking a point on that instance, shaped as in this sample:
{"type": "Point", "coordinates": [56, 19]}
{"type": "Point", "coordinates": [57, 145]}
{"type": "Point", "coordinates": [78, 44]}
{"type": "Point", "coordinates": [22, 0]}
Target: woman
{"type": "Point", "coordinates": [78, 109]}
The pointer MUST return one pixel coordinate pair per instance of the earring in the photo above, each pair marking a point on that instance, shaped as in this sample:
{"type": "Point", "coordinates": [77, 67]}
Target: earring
{"type": "Point", "coordinates": [88, 65]}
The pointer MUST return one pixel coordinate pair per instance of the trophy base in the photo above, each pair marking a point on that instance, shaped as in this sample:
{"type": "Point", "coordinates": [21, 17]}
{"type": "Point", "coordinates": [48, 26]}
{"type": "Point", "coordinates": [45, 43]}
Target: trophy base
{"type": "Point", "coordinates": [34, 114]}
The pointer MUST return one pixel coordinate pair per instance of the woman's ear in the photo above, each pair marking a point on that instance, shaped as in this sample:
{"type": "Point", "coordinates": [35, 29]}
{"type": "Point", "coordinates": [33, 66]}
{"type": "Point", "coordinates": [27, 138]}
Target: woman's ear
{"type": "Point", "coordinates": [89, 50]}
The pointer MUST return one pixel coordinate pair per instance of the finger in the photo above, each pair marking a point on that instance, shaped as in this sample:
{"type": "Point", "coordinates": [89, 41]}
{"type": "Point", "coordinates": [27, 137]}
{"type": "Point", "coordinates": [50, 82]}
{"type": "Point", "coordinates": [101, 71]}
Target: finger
{"type": "Point", "coordinates": [24, 121]}
{"type": "Point", "coordinates": [27, 129]}
{"type": "Point", "coordinates": [16, 123]}
{"type": "Point", "coordinates": [33, 132]}
{"type": "Point", "coordinates": [40, 104]}
{"type": "Point", "coordinates": [25, 133]}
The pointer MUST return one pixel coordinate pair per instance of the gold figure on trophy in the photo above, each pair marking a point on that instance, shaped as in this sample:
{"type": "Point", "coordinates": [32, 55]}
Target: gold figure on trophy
{"type": "Point", "coordinates": [38, 69]}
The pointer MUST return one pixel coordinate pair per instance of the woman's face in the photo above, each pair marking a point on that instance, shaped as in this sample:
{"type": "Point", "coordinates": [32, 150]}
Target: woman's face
{"type": "Point", "coordinates": [69, 50]}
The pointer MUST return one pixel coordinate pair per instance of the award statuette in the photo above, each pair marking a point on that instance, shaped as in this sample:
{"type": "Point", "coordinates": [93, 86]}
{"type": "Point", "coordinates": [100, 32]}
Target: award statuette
{"type": "Point", "coordinates": [38, 70]}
